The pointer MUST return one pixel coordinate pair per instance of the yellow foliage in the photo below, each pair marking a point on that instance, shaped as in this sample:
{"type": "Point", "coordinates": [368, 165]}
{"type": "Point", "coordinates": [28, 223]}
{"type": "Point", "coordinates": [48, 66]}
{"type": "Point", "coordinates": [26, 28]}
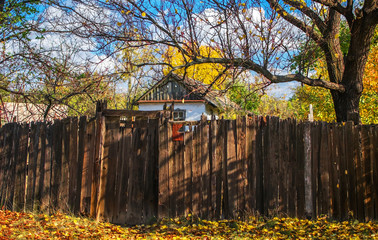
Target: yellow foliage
{"type": "Point", "coordinates": [205, 73]}
{"type": "Point", "coordinates": [58, 226]}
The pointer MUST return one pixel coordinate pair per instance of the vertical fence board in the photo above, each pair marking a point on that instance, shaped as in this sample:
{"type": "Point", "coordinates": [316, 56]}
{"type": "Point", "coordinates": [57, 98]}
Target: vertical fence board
{"type": "Point", "coordinates": [11, 165]}
{"type": "Point", "coordinates": [114, 167]}
{"type": "Point", "coordinates": [2, 163]}
{"type": "Point", "coordinates": [14, 162]}
{"type": "Point", "coordinates": [315, 155]}
{"type": "Point", "coordinates": [358, 161]}
{"type": "Point", "coordinates": [213, 170]}
{"type": "Point", "coordinates": [232, 168]}
{"type": "Point", "coordinates": [259, 166]}
{"type": "Point", "coordinates": [127, 158]}
{"type": "Point", "coordinates": [196, 166]}
{"type": "Point", "coordinates": [344, 197]}
{"type": "Point", "coordinates": [171, 172]}
{"type": "Point", "coordinates": [106, 193]}
{"type": "Point", "coordinates": [40, 166]}
{"type": "Point", "coordinates": [300, 170]}
{"type": "Point", "coordinates": [31, 170]}
{"type": "Point", "coordinates": [266, 166]}
{"type": "Point", "coordinates": [250, 164]}
{"type": "Point", "coordinates": [274, 161]}
{"type": "Point", "coordinates": [217, 166]}
{"type": "Point", "coordinates": [64, 178]}
{"type": "Point", "coordinates": [135, 213]}
{"type": "Point", "coordinates": [324, 178]}
{"type": "Point", "coordinates": [80, 139]}
{"type": "Point", "coordinates": [122, 175]}
{"type": "Point", "coordinates": [188, 156]}
{"type": "Point", "coordinates": [351, 148]}
{"type": "Point", "coordinates": [242, 165]}
{"type": "Point", "coordinates": [4, 131]}
{"type": "Point", "coordinates": [367, 172]}
{"type": "Point", "coordinates": [46, 189]}
{"type": "Point", "coordinates": [20, 180]}
{"type": "Point", "coordinates": [283, 166]}
{"type": "Point", "coordinates": [151, 161]}
{"type": "Point", "coordinates": [374, 157]}
{"type": "Point", "coordinates": [73, 167]}
{"type": "Point", "coordinates": [57, 131]}
{"type": "Point", "coordinates": [205, 168]}
{"type": "Point", "coordinates": [99, 148]}
{"type": "Point", "coordinates": [87, 132]}
{"type": "Point", "coordinates": [163, 206]}
{"type": "Point", "coordinates": [180, 179]}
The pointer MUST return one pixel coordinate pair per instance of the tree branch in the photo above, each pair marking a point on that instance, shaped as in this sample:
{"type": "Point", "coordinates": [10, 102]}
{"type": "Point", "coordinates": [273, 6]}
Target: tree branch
{"type": "Point", "coordinates": [308, 12]}
{"type": "Point", "coordinates": [296, 22]}
{"type": "Point", "coordinates": [250, 65]}
{"type": "Point", "coordinates": [334, 5]}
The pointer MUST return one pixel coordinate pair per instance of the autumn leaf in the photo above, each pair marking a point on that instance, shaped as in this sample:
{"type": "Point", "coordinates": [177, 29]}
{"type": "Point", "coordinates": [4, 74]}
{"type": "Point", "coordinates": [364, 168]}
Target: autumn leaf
{"type": "Point", "coordinates": [16, 225]}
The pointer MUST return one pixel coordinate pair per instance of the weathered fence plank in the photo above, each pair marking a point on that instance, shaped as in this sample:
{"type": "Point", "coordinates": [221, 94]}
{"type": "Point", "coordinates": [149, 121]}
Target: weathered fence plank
{"type": "Point", "coordinates": [151, 174]}
{"type": "Point", "coordinates": [232, 168]}
{"type": "Point", "coordinates": [367, 172]}
{"type": "Point", "coordinates": [2, 163]}
{"type": "Point", "coordinates": [56, 174]}
{"type": "Point", "coordinates": [21, 167]}
{"type": "Point", "coordinates": [358, 165]}
{"type": "Point", "coordinates": [292, 208]}
{"type": "Point", "coordinates": [106, 194]}
{"type": "Point", "coordinates": [188, 159]}
{"type": "Point", "coordinates": [163, 206]}
{"type": "Point", "coordinates": [46, 188]}
{"type": "Point", "coordinates": [217, 167]}
{"type": "Point", "coordinates": [99, 148]}
{"type": "Point", "coordinates": [351, 149]}
{"type": "Point", "coordinates": [374, 157]}
{"type": "Point", "coordinates": [241, 166]}
{"type": "Point", "coordinates": [87, 136]}
{"type": "Point", "coordinates": [205, 168]}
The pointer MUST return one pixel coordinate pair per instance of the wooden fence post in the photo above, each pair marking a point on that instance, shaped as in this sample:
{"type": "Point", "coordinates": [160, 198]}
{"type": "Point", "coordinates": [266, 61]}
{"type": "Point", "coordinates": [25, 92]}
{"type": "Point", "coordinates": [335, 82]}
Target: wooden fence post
{"type": "Point", "coordinates": [309, 208]}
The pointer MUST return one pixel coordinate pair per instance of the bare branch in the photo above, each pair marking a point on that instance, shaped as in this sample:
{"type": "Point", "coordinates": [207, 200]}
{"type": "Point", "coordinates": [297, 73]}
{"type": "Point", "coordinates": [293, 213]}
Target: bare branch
{"type": "Point", "coordinates": [296, 22]}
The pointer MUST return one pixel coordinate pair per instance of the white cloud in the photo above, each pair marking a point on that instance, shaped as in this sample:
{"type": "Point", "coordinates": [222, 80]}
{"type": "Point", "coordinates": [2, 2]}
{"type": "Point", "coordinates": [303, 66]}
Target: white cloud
{"type": "Point", "coordinates": [282, 90]}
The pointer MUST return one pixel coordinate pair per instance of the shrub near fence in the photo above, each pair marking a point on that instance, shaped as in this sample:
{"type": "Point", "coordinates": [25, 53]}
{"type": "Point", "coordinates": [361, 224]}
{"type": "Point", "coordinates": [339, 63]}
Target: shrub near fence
{"type": "Point", "coordinates": [131, 172]}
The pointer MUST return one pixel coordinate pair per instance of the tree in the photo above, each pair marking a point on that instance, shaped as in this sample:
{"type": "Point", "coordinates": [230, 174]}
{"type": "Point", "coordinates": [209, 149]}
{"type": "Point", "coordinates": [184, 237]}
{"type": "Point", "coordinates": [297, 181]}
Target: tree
{"type": "Point", "coordinates": [46, 69]}
{"type": "Point", "coordinates": [252, 36]}
{"type": "Point", "coordinates": [321, 99]}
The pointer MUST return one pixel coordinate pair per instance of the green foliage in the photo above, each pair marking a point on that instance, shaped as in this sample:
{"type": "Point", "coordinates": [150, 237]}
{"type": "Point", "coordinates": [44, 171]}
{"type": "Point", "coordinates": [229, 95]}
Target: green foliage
{"type": "Point", "coordinates": [320, 99]}
{"type": "Point", "coordinates": [247, 99]}
{"type": "Point", "coordinates": [14, 18]}
{"type": "Point", "coordinates": [271, 106]}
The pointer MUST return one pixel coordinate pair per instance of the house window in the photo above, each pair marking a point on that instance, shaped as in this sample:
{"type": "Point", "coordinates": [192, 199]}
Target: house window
{"type": "Point", "coordinates": [179, 115]}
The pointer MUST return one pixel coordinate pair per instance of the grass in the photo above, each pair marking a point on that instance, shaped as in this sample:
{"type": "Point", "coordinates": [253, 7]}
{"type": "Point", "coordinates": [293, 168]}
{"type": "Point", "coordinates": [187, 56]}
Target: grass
{"type": "Point", "coordinates": [16, 225]}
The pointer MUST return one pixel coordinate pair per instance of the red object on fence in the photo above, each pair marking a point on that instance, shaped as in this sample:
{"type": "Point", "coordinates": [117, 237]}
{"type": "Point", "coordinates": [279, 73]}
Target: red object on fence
{"type": "Point", "coordinates": [176, 135]}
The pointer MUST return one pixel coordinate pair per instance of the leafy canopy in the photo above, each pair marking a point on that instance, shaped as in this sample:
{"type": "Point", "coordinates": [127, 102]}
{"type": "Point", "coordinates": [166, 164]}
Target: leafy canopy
{"type": "Point", "coordinates": [208, 73]}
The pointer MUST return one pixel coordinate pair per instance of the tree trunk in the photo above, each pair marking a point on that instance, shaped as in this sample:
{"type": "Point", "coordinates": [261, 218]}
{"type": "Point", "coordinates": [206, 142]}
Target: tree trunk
{"type": "Point", "coordinates": [347, 103]}
{"type": "Point", "coordinates": [347, 106]}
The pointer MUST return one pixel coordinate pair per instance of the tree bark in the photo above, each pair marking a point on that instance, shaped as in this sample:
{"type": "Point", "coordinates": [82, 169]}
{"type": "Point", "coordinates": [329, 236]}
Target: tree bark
{"type": "Point", "coordinates": [347, 103]}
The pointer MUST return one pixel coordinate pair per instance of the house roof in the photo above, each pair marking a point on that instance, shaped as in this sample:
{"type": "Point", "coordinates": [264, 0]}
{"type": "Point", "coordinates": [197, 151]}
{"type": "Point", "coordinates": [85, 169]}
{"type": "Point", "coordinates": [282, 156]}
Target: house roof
{"type": "Point", "coordinates": [201, 90]}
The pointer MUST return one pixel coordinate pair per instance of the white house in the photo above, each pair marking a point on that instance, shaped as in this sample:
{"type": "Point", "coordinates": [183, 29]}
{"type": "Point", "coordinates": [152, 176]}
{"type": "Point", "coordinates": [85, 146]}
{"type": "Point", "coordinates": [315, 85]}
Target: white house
{"type": "Point", "coordinates": [190, 98]}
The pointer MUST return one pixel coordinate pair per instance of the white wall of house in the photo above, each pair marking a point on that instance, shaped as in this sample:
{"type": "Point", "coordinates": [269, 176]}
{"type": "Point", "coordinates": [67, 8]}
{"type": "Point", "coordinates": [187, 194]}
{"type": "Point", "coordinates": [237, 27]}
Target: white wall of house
{"type": "Point", "coordinates": [193, 110]}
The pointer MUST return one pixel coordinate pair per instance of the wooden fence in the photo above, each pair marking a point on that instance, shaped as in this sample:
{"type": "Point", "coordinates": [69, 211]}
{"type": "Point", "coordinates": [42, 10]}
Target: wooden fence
{"type": "Point", "coordinates": [132, 172]}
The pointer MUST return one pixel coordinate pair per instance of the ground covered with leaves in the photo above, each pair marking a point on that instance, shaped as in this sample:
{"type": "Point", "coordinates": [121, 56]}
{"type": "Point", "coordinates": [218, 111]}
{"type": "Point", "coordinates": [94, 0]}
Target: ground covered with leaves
{"type": "Point", "coordinates": [15, 225]}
